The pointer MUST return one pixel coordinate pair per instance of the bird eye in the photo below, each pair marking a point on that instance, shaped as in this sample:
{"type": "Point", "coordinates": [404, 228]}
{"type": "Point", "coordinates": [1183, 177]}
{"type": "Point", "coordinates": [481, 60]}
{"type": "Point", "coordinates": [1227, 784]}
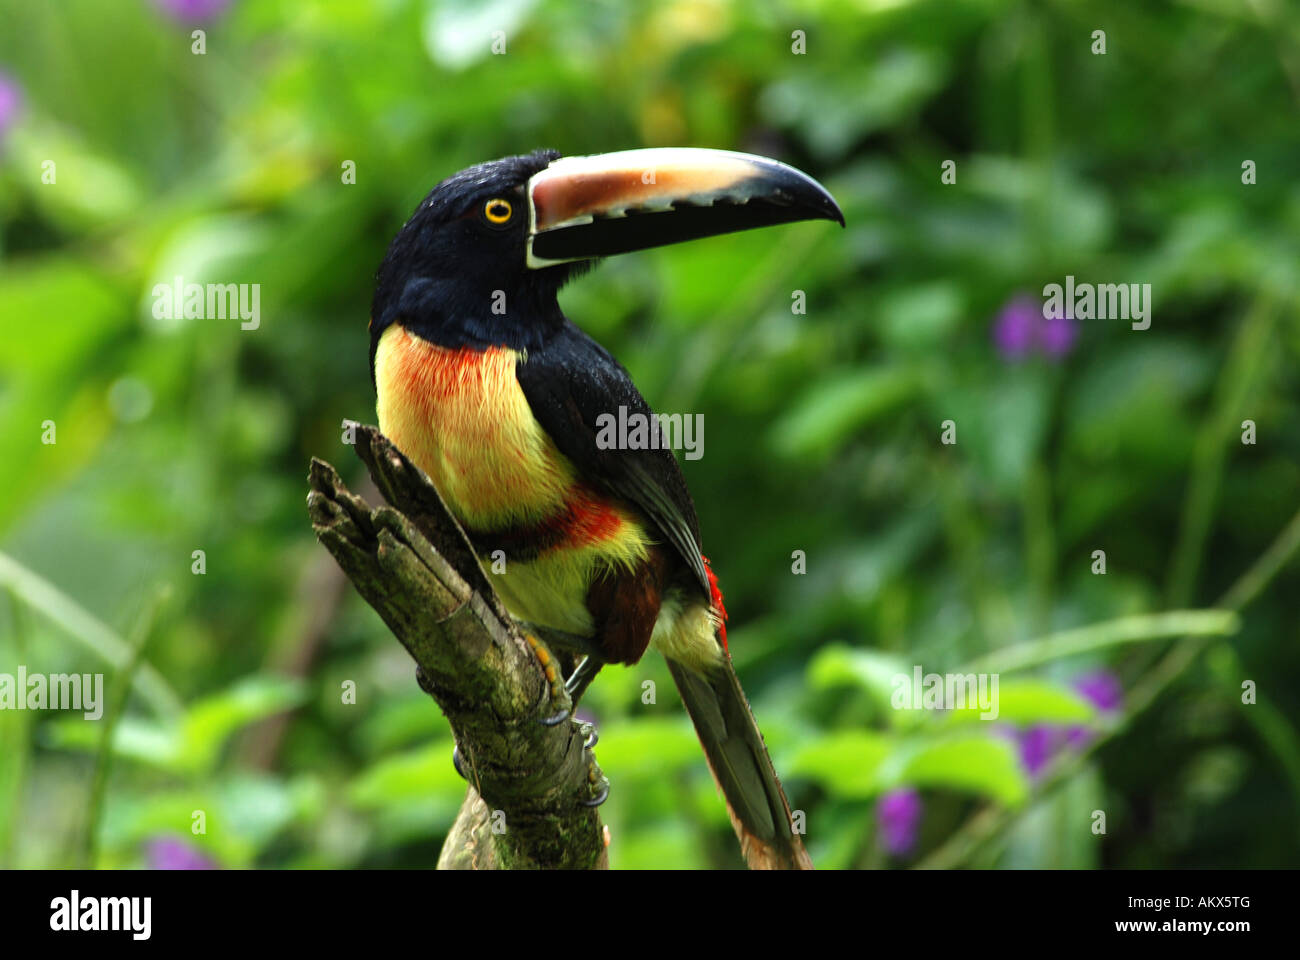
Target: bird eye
{"type": "Point", "coordinates": [497, 211]}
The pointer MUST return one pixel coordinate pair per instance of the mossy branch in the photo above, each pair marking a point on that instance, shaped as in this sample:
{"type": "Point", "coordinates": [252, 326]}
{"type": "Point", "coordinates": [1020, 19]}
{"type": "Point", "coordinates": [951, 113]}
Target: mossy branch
{"type": "Point", "coordinates": [412, 563]}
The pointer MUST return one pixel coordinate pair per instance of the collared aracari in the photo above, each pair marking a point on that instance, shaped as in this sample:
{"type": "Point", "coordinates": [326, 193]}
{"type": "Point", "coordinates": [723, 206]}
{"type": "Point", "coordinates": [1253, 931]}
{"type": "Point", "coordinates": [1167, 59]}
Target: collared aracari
{"type": "Point", "coordinates": [486, 385]}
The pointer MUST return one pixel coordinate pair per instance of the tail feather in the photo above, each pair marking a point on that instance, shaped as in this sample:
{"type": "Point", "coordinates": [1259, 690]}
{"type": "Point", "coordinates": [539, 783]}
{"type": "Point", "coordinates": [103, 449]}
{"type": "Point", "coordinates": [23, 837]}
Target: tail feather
{"type": "Point", "coordinates": [741, 767]}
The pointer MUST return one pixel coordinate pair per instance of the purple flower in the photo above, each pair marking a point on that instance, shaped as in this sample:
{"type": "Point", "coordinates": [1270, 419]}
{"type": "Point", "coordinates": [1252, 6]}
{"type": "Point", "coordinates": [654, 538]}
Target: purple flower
{"type": "Point", "coordinates": [11, 102]}
{"type": "Point", "coordinates": [1057, 335]}
{"type": "Point", "coordinates": [1038, 744]}
{"type": "Point", "coordinates": [898, 813]}
{"type": "Point", "coordinates": [1014, 329]}
{"type": "Point", "coordinates": [169, 853]}
{"type": "Point", "coordinates": [1104, 691]}
{"type": "Point", "coordinates": [1020, 329]}
{"type": "Point", "coordinates": [1102, 688]}
{"type": "Point", "coordinates": [1078, 737]}
{"type": "Point", "coordinates": [195, 11]}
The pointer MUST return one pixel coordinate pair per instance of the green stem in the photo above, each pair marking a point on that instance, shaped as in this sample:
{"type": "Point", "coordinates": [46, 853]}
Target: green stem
{"type": "Point", "coordinates": [41, 595]}
{"type": "Point", "coordinates": [1040, 542]}
{"type": "Point", "coordinates": [116, 707]}
{"type": "Point", "coordinates": [987, 824]}
{"type": "Point", "coordinates": [1240, 374]}
{"type": "Point", "coordinates": [17, 735]}
{"type": "Point", "coordinates": [1110, 633]}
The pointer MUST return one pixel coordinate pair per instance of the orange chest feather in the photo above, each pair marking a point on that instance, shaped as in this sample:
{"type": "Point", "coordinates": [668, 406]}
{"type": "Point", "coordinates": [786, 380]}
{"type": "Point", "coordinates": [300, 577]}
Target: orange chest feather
{"type": "Point", "coordinates": [462, 417]}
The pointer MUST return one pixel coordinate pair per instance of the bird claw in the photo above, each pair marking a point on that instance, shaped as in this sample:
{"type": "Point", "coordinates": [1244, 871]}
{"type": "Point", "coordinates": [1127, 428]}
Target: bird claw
{"type": "Point", "coordinates": [594, 776]}
{"type": "Point", "coordinates": [581, 678]}
{"type": "Point", "coordinates": [600, 798]}
{"type": "Point", "coordinates": [456, 762]}
{"type": "Point", "coordinates": [555, 719]}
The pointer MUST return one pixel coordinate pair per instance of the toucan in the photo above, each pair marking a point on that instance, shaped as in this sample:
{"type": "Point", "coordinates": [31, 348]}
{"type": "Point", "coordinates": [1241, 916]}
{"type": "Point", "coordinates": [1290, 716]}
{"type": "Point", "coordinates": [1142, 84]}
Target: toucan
{"type": "Point", "coordinates": [487, 387]}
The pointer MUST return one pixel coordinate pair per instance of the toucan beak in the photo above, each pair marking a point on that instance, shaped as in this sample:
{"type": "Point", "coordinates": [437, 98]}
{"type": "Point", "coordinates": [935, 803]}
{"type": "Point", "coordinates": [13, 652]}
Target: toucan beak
{"type": "Point", "coordinates": [586, 207]}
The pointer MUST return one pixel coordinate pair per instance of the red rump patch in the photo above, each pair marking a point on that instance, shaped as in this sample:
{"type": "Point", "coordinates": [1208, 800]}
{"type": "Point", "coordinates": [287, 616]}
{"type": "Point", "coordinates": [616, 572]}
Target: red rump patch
{"type": "Point", "coordinates": [587, 518]}
{"type": "Point", "coordinates": [716, 593]}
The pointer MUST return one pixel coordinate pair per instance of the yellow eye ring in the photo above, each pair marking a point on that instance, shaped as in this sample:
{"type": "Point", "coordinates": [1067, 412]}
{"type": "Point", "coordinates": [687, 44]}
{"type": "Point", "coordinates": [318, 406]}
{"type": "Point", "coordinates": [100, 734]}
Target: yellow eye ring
{"type": "Point", "coordinates": [497, 211]}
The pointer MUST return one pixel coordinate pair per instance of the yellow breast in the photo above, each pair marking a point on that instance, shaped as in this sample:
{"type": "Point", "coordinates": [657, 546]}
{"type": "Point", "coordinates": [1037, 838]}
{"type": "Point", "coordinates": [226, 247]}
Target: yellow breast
{"type": "Point", "coordinates": [461, 416]}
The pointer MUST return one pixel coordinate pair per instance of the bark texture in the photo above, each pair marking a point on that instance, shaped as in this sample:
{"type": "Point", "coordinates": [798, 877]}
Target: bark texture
{"type": "Point", "coordinates": [412, 563]}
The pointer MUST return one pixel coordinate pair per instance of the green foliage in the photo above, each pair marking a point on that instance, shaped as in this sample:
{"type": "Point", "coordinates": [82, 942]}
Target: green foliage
{"type": "Point", "coordinates": [823, 427]}
{"type": "Point", "coordinates": [192, 744]}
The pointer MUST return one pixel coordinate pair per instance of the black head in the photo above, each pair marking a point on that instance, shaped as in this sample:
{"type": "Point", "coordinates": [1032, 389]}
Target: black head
{"type": "Point", "coordinates": [481, 260]}
{"type": "Point", "coordinates": [456, 273]}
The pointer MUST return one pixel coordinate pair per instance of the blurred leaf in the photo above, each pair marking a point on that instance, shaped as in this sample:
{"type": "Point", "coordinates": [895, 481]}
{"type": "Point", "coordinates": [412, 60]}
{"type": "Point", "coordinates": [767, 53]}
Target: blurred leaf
{"type": "Point", "coordinates": [44, 373]}
{"type": "Point", "coordinates": [458, 33]}
{"type": "Point", "coordinates": [653, 746]}
{"type": "Point", "coordinates": [868, 670]}
{"type": "Point", "coordinates": [211, 720]}
{"type": "Point", "coordinates": [1132, 404]}
{"type": "Point", "coordinates": [846, 762]}
{"type": "Point", "coordinates": [90, 188]}
{"type": "Point", "coordinates": [1028, 702]}
{"type": "Point", "coordinates": [663, 847]}
{"type": "Point", "coordinates": [830, 412]}
{"type": "Point", "coordinates": [1059, 830]}
{"type": "Point", "coordinates": [921, 317]}
{"type": "Point", "coordinates": [412, 775]}
{"type": "Point", "coordinates": [134, 739]}
{"type": "Point", "coordinates": [1000, 424]}
{"type": "Point", "coordinates": [834, 109]}
{"type": "Point", "coordinates": [193, 744]}
{"type": "Point", "coordinates": [985, 765]}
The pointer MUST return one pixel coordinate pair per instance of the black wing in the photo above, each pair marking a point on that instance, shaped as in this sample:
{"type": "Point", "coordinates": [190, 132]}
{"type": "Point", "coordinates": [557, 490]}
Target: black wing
{"type": "Point", "coordinates": [569, 382]}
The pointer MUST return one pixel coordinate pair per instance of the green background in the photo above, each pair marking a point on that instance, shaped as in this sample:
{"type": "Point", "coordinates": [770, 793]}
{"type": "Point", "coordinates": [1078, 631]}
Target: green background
{"type": "Point", "coordinates": [822, 429]}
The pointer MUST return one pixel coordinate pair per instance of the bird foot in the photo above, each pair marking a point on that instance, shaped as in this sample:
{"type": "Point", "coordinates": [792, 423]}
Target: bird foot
{"type": "Point", "coordinates": [581, 678]}
{"type": "Point", "coordinates": [553, 677]}
{"type": "Point", "coordinates": [595, 778]}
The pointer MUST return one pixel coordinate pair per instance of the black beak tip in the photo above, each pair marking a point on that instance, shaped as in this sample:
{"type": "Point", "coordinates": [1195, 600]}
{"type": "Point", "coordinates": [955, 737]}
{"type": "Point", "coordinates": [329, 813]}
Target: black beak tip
{"type": "Point", "coordinates": [827, 209]}
{"type": "Point", "coordinates": [818, 201]}
{"type": "Point", "coordinates": [831, 209]}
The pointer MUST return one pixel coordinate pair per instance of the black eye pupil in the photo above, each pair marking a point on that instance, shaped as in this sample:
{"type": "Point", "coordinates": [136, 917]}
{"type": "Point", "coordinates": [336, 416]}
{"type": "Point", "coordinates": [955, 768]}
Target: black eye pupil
{"type": "Point", "coordinates": [498, 209]}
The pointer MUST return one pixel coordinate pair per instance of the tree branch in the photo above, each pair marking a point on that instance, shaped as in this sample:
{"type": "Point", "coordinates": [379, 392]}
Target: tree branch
{"type": "Point", "coordinates": [415, 567]}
